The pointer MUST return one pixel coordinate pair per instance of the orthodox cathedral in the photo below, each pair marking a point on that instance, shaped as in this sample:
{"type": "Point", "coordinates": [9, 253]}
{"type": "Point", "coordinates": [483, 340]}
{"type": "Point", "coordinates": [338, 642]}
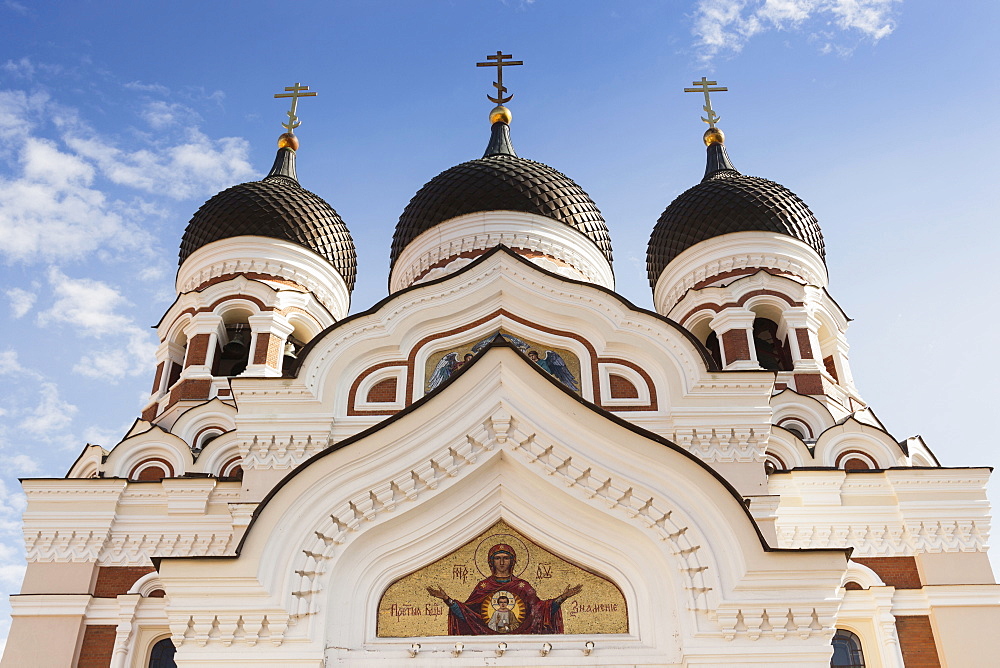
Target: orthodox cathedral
{"type": "Point", "coordinates": [504, 462]}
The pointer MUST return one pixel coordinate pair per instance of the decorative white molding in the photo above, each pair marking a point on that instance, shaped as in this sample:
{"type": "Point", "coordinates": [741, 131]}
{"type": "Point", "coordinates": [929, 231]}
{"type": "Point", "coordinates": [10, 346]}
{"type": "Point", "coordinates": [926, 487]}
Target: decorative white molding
{"type": "Point", "coordinates": [227, 629]}
{"type": "Point", "coordinates": [723, 445]}
{"type": "Point", "coordinates": [733, 252]}
{"type": "Point", "coordinates": [280, 454]}
{"type": "Point", "coordinates": [264, 255]}
{"type": "Point", "coordinates": [486, 229]}
{"type": "Point", "coordinates": [889, 539]}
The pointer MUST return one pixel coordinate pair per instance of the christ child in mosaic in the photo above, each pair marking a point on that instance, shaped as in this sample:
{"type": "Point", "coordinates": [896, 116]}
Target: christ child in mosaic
{"type": "Point", "coordinates": [503, 602]}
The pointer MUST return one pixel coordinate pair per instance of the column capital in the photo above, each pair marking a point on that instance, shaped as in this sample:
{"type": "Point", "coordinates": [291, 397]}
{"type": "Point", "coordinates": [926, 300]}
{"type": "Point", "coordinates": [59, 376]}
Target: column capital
{"type": "Point", "coordinates": [735, 317]}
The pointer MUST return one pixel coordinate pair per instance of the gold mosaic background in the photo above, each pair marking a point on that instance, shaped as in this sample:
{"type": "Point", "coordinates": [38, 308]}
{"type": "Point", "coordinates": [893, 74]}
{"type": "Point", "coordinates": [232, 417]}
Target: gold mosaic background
{"type": "Point", "coordinates": [571, 360]}
{"type": "Point", "coordinates": [407, 610]}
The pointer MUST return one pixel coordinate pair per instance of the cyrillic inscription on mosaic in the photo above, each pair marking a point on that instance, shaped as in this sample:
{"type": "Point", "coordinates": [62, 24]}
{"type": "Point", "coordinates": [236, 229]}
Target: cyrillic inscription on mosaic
{"type": "Point", "coordinates": [497, 584]}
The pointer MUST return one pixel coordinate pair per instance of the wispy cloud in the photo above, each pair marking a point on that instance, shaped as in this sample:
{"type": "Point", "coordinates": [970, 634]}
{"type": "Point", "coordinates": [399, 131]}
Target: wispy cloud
{"type": "Point", "coordinates": [90, 308]}
{"type": "Point", "coordinates": [722, 26]}
{"type": "Point", "coordinates": [21, 301]}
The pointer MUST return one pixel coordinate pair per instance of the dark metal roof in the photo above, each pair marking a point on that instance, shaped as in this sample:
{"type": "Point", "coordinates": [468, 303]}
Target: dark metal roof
{"type": "Point", "coordinates": [727, 201]}
{"type": "Point", "coordinates": [276, 207]}
{"type": "Point", "coordinates": [501, 181]}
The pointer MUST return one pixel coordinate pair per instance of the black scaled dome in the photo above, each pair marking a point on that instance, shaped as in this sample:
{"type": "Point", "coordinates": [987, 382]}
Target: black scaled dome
{"type": "Point", "coordinates": [726, 201]}
{"type": "Point", "coordinates": [501, 181]}
{"type": "Point", "coordinates": [276, 207]}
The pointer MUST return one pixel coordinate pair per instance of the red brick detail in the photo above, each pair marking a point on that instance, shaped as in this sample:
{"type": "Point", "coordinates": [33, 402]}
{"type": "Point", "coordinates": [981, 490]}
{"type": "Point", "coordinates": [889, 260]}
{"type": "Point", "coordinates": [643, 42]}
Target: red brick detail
{"type": "Point", "coordinates": [252, 276]}
{"type": "Point", "coordinates": [157, 593]}
{"type": "Point", "coordinates": [98, 645]}
{"type": "Point", "coordinates": [224, 392]}
{"type": "Point", "coordinates": [805, 346]}
{"type": "Point", "coordinates": [735, 345]}
{"type": "Point", "coordinates": [383, 391]}
{"type": "Point", "coordinates": [352, 395]}
{"type": "Point", "coordinates": [191, 388]}
{"type": "Point", "coordinates": [853, 586]}
{"type": "Point", "coordinates": [740, 302]}
{"type": "Point", "coordinates": [260, 350]}
{"type": "Point", "coordinates": [149, 414]}
{"type": "Point", "coordinates": [162, 470]}
{"type": "Point", "coordinates": [898, 572]}
{"type": "Point", "coordinates": [778, 387]}
{"type": "Point", "coordinates": [523, 252]}
{"type": "Point", "coordinates": [831, 368]}
{"type": "Point", "coordinates": [197, 349]}
{"type": "Point", "coordinates": [113, 581]}
{"type": "Point", "coordinates": [621, 387]}
{"type": "Point", "coordinates": [916, 640]}
{"type": "Point", "coordinates": [228, 298]}
{"type": "Point", "coordinates": [157, 377]}
{"type": "Point", "coordinates": [809, 383]}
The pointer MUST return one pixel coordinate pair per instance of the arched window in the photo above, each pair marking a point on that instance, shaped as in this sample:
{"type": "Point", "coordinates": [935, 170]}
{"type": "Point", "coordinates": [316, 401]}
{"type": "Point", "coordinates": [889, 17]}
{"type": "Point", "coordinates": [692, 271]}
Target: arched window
{"type": "Point", "coordinates": [162, 655]}
{"type": "Point", "coordinates": [712, 343]}
{"type": "Point", "coordinates": [771, 353]}
{"type": "Point", "coordinates": [847, 651]}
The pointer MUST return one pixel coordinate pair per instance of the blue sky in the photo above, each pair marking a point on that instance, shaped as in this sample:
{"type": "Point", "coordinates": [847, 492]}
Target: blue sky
{"type": "Point", "coordinates": [117, 120]}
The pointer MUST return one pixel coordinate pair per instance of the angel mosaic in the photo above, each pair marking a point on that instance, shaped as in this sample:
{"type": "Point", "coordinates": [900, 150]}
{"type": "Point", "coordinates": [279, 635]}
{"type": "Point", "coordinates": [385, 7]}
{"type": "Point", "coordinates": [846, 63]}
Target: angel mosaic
{"type": "Point", "coordinates": [551, 361]}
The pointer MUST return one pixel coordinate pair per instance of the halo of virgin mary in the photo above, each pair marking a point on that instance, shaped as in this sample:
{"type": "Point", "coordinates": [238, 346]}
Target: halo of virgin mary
{"type": "Point", "coordinates": [528, 613]}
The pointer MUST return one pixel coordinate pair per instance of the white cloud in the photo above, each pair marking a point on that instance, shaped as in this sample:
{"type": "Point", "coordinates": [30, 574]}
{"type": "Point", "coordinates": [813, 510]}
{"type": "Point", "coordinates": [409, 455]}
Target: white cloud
{"type": "Point", "coordinates": [51, 417]}
{"type": "Point", "coordinates": [90, 308]}
{"type": "Point", "coordinates": [9, 363]}
{"type": "Point", "coordinates": [51, 211]}
{"type": "Point", "coordinates": [21, 301]}
{"type": "Point", "coordinates": [197, 166]}
{"type": "Point", "coordinates": [20, 465]}
{"type": "Point", "coordinates": [160, 114]}
{"type": "Point", "coordinates": [727, 25]}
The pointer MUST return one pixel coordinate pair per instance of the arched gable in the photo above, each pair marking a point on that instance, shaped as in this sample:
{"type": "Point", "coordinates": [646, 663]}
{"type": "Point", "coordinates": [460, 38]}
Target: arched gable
{"type": "Point", "coordinates": [503, 440]}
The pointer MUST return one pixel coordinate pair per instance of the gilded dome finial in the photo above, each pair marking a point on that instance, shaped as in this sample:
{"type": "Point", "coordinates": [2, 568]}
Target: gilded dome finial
{"type": "Point", "coordinates": [288, 139]}
{"type": "Point", "coordinates": [500, 113]}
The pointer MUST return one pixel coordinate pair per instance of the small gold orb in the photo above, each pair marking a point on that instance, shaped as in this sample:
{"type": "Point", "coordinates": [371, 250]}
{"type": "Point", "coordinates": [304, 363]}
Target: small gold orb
{"type": "Point", "coordinates": [714, 136]}
{"type": "Point", "coordinates": [288, 140]}
{"type": "Point", "coordinates": [500, 114]}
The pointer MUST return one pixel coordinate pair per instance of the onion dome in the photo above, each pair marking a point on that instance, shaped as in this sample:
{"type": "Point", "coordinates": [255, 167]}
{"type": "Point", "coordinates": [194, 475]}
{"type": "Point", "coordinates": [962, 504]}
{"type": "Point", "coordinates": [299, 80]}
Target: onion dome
{"type": "Point", "coordinates": [727, 201]}
{"type": "Point", "coordinates": [501, 181]}
{"type": "Point", "coordinates": [277, 207]}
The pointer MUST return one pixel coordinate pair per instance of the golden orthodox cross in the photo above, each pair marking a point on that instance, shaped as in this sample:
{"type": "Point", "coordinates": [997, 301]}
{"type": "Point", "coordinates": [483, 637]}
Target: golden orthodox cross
{"type": "Point", "coordinates": [499, 61]}
{"type": "Point", "coordinates": [294, 92]}
{"type": "Point", "coordinates": [703, 87]}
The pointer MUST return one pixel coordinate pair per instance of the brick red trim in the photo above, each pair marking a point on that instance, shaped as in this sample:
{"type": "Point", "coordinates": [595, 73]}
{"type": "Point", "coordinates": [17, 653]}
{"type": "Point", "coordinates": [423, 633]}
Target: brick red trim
{"type": "Point", "coordinates": [740, 302]}
{"type": "Point", "coordinates": [197, 350]}
{"type": "Point", "coordinates": [523, 252]}
{"type": "Point", "coordinates": [149, 414]}
{"type": "Point", "coordinates": [190, 388]}
{"type": "Point", "coordinates": [98, 645]}
{"type": "Point", "coordinates": [251, 275]}
{"type": "Point", "coordinates": [805, 346]}
{"type": "Point", "coordinates": [410, 361]}
{"type": "Point", "coordinates": [621, 387]}
{"type": "Point", "coordinates": [352, 395]}
{"type": "Point", "coordinates": [229, 298]}
{"type": "Point", "coordinates": [790, 418]}
{"type": "Point", "coordinates": [383, 391]}
{"type": "Point", "coordinates": [168, 469]}
{"type": "Point", "coordinates": [113, 581]}
{"type": "Point", "coordinates": [916, 640]}
{"type": "Point", "coordinates": [653, 404]}
{"type": "Point", "coordinates": [898, 572]}
{"type": "Point", "coordinates": [410, 365]}
{"type": "Point", "coordinates": [735, 345]}
{"type": "Point", "coordinates": [734, 273]}
{"type": "Point", "coordinates": [261, 349]}
{"type": "Point", "coordinates": [809, 383]}
{"type": "Point", "coordinates": [157, 377]}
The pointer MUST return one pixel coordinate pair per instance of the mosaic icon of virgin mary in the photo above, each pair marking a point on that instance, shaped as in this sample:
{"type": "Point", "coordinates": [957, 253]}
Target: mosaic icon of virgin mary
{"type": "Point", "coordinates": [503, 603]}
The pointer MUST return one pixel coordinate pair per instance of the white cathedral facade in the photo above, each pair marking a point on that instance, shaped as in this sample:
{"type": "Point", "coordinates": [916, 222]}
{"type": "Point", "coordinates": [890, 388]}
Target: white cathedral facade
{"type": "Point", "coordinates": [504, 462]}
